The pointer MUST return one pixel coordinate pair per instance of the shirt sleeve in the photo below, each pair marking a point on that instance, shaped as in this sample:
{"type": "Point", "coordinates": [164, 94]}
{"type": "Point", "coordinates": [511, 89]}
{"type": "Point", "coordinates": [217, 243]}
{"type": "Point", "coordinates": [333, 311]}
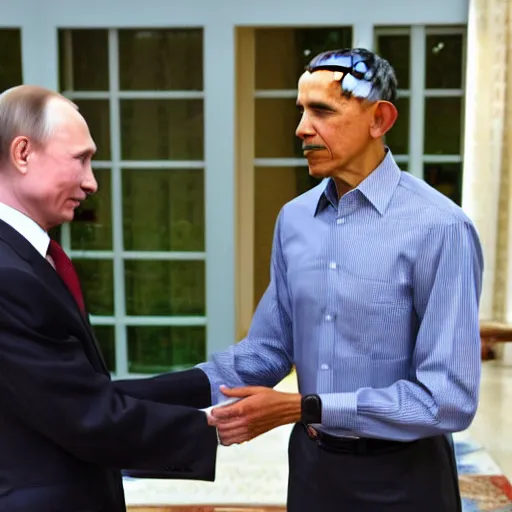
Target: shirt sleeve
{"type": "Point", "coordinates": [442, 394]}
{"type": "Point", "coordinates": [265, 356]}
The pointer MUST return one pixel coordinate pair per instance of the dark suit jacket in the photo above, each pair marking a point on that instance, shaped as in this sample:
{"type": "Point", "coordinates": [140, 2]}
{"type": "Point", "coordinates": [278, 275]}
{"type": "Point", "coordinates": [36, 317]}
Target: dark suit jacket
{"type": "Point", "coordinates": [66, 429]}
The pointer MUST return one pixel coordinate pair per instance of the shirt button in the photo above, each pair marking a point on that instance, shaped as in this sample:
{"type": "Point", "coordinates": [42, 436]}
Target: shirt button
{"type": "Point", "coordinates": [328, 318]}
{"type": "Point", "coordinates": [324, 367]}
{"type": "Point", "coordinates": [340, 220]}
{"type": "Point", "coordinates": [332, 265]}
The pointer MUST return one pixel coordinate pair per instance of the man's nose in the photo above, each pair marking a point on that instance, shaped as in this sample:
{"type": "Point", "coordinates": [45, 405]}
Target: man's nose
{"type": "Point", "coordinates": [304, 128]}
{"type": "Point", "coordinates": [89, 183]}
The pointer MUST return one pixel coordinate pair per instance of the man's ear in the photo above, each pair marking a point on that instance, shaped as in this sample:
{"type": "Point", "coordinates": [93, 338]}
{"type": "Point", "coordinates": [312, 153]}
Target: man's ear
{"type": "Point", "coordinates": [384, 117]}
{"type": "Point", "coordinates": [20, 151]}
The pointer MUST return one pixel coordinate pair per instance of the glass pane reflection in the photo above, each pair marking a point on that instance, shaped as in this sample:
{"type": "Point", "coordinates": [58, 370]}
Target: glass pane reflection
{"type": "Point", "coordinates": [97, 280]}
{"type": "Point", "coordinates": [91, 228]}
{"type": "Point", "coordinates": [10, 61]}
{"type": "Point", "coordinates": [161, 59]}
{"type": "Point", "coordinates": [97, 115]}
{"type": "Point", "coordinates": [157, 349]}
{"type": "Point", "coordinates": [276, 120]}
{"type": "Point", "coordinates": [173, 218]}
{"type": "Point", "coordinates": [397, 50]}
{"type": "Point", "coordinates": [443, 126]}
{"type": "Point", "coordinates": [83, 60]}
{"type": "Point", "coordinates": [162, 129]}
{"type": "Point", "coordinates": [444, 66]}
{"type": "Point", "coordinates": [398, 137]}
{"type": "Point", "coordinates": [165, 288]}
{"type": "Point", "coordinates": [282, 53]}
{"type": "Point", "coordinates": [273, 187]}
{"type": "Point", "coordinates": [447, 178]}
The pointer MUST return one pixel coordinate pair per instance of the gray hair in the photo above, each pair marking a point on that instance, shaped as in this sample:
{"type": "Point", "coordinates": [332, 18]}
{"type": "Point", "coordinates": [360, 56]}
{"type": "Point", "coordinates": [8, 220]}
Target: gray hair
{"type": "Point", "coordinates": [24, 112]}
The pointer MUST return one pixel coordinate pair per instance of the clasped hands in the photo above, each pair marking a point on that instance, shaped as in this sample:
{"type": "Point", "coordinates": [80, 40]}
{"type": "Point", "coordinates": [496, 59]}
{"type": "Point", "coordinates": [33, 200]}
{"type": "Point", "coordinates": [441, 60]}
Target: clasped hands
{"type": "Point", "coordinates": [260, 409]}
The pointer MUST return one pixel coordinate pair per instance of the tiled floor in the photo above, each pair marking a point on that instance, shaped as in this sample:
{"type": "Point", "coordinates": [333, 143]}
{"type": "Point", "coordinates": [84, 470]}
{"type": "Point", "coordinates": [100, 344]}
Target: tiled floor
{"type": "Point", "coordinates": [492, 426]}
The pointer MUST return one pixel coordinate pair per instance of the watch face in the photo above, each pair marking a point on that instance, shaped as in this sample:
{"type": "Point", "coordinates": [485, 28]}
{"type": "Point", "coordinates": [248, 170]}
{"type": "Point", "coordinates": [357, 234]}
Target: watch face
{"type": "Point", "coordinates": [311, 404]}
{"type": "Point", "coordinates": [311, 409]}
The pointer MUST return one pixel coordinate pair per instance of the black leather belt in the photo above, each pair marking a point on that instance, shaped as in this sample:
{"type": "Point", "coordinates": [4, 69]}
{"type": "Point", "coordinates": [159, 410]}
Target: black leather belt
{"type": "Point", "coordinates": [358, 446]}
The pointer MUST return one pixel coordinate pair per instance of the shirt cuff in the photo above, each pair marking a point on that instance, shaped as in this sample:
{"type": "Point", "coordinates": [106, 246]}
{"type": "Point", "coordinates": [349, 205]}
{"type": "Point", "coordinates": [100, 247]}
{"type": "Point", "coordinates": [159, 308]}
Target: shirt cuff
{"type": "Point", "coordinates": [215, 382]}
{"type": "Point", "coordinates": [208, 414]}
{"type": "Point", "coordinates": [339, 410]}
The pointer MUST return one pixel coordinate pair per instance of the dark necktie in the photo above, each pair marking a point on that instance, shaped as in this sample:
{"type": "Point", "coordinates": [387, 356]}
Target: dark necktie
{"type": "Point", "coordinates": [66, 272]}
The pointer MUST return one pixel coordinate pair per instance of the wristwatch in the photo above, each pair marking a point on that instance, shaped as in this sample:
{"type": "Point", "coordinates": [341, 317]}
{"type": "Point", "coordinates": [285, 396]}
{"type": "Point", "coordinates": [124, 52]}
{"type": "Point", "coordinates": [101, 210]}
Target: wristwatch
{"type": "Point", "coordinates": [311, 409]}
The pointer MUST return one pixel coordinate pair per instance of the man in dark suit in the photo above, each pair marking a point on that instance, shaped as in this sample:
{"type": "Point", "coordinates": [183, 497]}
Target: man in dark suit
{"type": "Point", "coordinates": [66, 430]}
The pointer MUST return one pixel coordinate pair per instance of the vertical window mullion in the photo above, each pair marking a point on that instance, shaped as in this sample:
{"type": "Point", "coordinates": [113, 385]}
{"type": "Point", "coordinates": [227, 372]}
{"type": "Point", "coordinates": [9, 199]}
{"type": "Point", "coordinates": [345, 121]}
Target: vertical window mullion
{"type": "Point", "coordinates": [117, 207]}
{"type": "Point", "coordinates": [417, 101]}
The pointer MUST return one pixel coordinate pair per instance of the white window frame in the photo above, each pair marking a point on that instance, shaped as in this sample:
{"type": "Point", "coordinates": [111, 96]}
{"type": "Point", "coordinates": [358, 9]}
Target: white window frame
{"type": "Point", "coordinates": [417, 93]}
{"type": "Point", "coordinates": [40, 22]}
{"type": "Point", "coordinates": [120, 320]}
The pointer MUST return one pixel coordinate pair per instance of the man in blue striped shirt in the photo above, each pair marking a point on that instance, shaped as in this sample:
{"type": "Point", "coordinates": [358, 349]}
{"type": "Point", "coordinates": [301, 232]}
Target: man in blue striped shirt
{"type": "Point", "coordinates": [374, 297]}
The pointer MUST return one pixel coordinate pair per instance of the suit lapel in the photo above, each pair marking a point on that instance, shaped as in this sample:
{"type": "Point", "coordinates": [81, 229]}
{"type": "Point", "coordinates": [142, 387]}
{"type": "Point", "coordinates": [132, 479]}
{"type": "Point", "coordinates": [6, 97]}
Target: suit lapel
{"type": "Point", "coordinates": [46, 273]}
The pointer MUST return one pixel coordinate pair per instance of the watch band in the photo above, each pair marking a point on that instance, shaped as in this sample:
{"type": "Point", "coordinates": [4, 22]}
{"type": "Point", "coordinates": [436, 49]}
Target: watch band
{"type": "Point", "coordinates": [311, 409]}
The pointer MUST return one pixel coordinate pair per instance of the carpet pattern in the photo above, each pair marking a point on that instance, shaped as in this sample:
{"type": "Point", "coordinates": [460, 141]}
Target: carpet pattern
{"type": "Point", "coordinates": [252, 477]}
{"type": "Point", "coordinates": [483, 486]}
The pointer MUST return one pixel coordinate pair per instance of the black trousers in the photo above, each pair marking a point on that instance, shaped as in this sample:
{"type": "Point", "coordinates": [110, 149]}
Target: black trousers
{"type": "Point", "coordinates": [413, 477]}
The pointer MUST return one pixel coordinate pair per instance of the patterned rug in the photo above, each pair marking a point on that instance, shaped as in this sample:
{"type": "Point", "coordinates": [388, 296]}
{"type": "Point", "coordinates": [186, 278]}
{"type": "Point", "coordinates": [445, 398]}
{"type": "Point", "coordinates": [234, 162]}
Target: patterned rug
{"type": "Point", "coordinates": [252, 477]}
{"type": "Point", "coordinates": [482, 484]}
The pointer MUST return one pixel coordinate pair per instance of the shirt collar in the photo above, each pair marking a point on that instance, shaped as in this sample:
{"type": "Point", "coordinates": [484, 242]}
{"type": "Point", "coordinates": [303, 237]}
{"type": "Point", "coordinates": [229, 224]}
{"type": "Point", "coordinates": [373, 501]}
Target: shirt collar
{"type": "Point", "coordinates": [26, 227]}
{"type": "Point", "coordinates": [378, 187]}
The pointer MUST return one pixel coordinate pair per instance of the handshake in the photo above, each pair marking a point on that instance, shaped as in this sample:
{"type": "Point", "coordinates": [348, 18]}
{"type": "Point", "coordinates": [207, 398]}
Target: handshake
{"type": "Point", "coordinates": [251, 411]}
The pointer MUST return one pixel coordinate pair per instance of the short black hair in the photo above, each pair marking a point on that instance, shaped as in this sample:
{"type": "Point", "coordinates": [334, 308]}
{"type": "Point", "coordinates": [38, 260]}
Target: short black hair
{"type": "Point", "coordinates": [367, 76]}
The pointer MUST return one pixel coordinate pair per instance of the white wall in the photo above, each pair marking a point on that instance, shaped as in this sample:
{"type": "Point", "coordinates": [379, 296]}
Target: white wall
{"type": "Point", "coordinates": [120, 13]}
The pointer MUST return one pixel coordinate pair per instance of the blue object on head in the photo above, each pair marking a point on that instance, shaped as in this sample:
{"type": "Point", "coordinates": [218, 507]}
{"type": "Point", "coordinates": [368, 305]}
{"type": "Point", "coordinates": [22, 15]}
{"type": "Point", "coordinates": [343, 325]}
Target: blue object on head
{"type": "Point", "coordinates": [365, 74]}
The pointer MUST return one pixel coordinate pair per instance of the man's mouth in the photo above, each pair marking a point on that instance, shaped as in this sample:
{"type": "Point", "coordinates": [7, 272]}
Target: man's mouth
{"type": "Point", "coordinates": [311, 147]}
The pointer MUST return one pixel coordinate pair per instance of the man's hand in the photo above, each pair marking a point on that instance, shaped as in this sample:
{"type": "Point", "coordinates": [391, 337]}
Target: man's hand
{"type": "Point", "coordinates": [261, 410]}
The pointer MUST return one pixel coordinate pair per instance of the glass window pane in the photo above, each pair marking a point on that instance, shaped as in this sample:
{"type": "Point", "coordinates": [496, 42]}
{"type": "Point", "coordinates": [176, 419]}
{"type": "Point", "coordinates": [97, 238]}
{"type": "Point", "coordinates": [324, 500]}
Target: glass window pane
{"type": "Point", "coordinates": [156, 349]}
{"type": "Point", "coordinates": [161, 59]}
{"type": "Point", "coordinates": [398, 137]}
{"type": "Point", "coordinates": [105, 334]}
{"type": "Point", "coordinates": [443, 125]}
{"type": "Point", "coordinates": [162, 129]}
{"type": "Point", "coordinates": [281, 54]}
{"type": "Point", "coordinates": [397, 50]}
{"type": "Point", "coordinates": [273, 187]}
{"type": "Point", "coordinates": [83, 60]}
{"type": "Point", "coordinates": [10, 61]}
{"type": "Point", "coordinates": [55, 234]}
{"type": "Point", "coordinates": [173, 219]}
{"type": "Point", "coordinates": [275, 123]}
{"type": "Point", "coordinates": [91, 228]}
{"type": "Point", "coordinates": [96, 278]}
{"type": "Point", "coordinates": [97, 115]}
{"type": "Point", "coordinates": [444, 62]}
{"type": "Point", "coordinates": [447, 178]}
{"type": "Point", "coordinates": [165, 288]}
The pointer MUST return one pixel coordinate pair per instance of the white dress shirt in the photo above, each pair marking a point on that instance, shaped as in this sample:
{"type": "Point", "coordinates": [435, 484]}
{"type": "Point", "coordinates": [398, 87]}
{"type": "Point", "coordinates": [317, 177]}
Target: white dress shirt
{"type": "Point", "coordinates": [26, 227]}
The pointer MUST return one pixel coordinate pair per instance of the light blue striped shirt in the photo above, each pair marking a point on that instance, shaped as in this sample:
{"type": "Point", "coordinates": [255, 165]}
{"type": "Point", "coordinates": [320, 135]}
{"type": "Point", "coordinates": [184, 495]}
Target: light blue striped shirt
{"type": "Point", "coordinates": [374, 298]}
